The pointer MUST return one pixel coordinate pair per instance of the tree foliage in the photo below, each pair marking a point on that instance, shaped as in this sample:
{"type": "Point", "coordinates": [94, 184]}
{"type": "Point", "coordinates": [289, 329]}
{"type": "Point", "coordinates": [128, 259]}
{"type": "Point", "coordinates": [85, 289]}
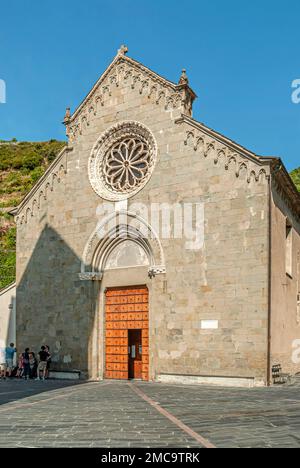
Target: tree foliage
{"type": "Point", "coordinates": [21, 166]}
{"type": "Point", "coordinates": [296, 177]}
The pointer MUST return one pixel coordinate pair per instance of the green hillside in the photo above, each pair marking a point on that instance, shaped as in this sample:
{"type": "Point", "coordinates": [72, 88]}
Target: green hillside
{"type": "Point", "coordinates": [21, 165]}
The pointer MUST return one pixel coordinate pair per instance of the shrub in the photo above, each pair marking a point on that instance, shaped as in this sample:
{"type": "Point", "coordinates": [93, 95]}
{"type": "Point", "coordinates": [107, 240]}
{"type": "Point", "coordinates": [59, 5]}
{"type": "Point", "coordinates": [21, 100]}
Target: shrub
{"type": "Point", "coordinates": [296, 177]}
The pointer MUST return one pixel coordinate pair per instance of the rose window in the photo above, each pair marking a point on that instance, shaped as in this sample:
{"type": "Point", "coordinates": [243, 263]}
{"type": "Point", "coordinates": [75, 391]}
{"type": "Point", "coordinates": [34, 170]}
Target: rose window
{"type": "Point", "coordinates": [122, 161]}
{"type": "Point", "coordinates": [127, 164]}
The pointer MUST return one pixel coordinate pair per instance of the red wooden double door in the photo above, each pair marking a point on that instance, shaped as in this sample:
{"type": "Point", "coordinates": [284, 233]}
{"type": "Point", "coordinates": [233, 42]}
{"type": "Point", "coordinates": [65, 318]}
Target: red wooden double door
{"type": "Point", "coordinates": [127, 333]}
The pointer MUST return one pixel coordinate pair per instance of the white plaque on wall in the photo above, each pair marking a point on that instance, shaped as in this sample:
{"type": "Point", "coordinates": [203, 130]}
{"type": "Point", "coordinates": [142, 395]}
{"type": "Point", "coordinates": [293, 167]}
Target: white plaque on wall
{"type": "Point", "coordinates": [209, 324]}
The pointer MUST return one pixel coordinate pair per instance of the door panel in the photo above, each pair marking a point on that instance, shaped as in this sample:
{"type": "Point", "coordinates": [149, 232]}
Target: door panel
{"type": "Point", "coordinates": [135, 354]}
{"type": "Point", "coordinates": [126, 313]}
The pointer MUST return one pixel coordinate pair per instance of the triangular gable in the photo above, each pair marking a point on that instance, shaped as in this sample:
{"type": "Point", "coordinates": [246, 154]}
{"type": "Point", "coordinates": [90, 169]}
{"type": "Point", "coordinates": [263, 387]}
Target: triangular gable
{"type": "Point", "coordinates": [161, 90]}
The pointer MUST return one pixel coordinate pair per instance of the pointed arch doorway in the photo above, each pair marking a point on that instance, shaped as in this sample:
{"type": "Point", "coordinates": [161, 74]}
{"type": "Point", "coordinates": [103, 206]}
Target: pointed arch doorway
{"type": "Point", "coordinates": [126, 315]}
{"type": "Point", "coordinates": [122, 255]}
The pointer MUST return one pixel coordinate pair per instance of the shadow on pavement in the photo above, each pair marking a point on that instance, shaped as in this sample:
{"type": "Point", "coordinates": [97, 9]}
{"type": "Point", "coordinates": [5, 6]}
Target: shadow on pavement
{"type": "Point", "coordinates": [14, 389]}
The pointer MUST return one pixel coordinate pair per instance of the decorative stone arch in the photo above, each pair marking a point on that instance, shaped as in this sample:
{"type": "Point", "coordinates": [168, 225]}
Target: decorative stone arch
{"type": "Point", "coordinates": [141, 149]}
{"type": "Point", "coordinates": [42, 197]}
{"type": "Point", "coordinates": [28, 214]}
{"type": "Point", "coordinates": [112, 231]}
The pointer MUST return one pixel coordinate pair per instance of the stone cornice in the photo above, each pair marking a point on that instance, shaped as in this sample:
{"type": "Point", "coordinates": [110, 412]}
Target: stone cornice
{"type": "Point", "coordinates": [153, 271]}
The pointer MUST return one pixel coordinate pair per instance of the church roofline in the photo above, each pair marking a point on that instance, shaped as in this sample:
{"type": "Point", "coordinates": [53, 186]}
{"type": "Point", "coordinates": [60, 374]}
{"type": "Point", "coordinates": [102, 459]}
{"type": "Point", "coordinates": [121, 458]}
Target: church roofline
{"type": "Point", "coordinates": [121, 57]}
{"type": "Point", "coordinates": [284, 181]}
{"type": "Point", "coordinates": [15, 211]}
{"type": "Point", "coordinates": [277, 167]}
{"type": "Point", "coordinates": [263, 160]}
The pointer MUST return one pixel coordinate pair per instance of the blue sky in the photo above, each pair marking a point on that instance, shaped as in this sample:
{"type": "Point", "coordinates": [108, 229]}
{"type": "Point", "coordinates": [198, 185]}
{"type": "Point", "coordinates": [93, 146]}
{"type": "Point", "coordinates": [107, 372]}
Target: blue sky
{"type": "Point", "coordinates": [241, 60]}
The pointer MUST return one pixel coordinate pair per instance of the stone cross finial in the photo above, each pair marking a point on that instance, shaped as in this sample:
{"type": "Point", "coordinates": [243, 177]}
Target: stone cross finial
{"type": "Point", "coordinates": [67, 114]}
{"type": "Point", "coordinates": [183, 78]}
{"type": "Point", "coordinates": [123, 50]}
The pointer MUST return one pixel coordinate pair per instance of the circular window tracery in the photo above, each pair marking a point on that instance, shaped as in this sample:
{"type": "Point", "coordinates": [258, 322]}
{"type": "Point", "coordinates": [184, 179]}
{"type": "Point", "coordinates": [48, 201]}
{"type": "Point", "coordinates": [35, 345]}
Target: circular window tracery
{"type": "Point", "coordinates": [122, 161]}
{"type": "Point", "coordinates": [127, 164]}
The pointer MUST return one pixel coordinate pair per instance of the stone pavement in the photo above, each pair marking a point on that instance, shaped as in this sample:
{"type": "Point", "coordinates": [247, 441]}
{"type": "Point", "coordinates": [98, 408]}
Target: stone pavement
{"type": "Point", "coordinates": [115, 414]}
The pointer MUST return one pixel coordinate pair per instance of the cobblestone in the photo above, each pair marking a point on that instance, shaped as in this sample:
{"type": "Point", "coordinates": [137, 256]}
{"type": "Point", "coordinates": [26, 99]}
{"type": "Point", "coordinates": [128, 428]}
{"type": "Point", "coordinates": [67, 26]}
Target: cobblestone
{"type": "Point", "coordinates": [111, 414]}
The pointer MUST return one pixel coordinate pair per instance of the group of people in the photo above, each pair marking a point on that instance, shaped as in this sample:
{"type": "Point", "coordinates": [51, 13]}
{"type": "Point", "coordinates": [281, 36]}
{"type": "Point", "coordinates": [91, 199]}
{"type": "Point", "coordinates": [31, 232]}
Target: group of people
{"type": "Point", "coordinates": [29, 366]}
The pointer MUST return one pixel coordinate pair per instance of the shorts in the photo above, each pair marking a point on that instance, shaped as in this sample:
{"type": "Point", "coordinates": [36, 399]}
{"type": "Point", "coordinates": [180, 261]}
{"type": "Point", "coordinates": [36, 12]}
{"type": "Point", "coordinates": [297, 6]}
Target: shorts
{"type": "Point", "coordinates": [42, 366]}
{"type": "Point", "coordinates": [3, 367]}
{"type": "Point", "coordinates": [9, 363]}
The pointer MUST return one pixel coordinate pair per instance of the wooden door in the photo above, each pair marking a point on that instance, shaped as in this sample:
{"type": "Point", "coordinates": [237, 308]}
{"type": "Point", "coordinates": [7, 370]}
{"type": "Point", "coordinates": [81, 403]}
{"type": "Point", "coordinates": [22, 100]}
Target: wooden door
{"type": "Point", "coordinates": [126, 309]}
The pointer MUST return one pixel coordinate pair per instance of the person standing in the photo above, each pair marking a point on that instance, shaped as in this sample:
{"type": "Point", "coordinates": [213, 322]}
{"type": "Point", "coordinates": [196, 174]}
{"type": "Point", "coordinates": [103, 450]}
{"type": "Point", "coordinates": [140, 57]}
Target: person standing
{"type": "Point", "coordinates": [20, 370]}
{"type": "Point", "coordinates": [42, 367]}
{"type": "Point", "coordinates": [33, 365]}
{"type": "Point", "coordinates": [26, 364]}
{"type": "Point", "coordinates": [10, 352]}
{"type": "Point", "coordinates": [48, 361]}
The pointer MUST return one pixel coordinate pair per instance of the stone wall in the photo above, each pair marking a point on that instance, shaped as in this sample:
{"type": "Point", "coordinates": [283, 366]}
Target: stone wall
{"type": "Point", "coordinates": [285, 321]}
{"type": "Point", "coordinates": [8, 316]}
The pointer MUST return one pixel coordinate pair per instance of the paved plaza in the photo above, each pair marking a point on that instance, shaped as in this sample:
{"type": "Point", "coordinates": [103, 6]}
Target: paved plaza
{"type": "Point", "coordinates": [122, 414]}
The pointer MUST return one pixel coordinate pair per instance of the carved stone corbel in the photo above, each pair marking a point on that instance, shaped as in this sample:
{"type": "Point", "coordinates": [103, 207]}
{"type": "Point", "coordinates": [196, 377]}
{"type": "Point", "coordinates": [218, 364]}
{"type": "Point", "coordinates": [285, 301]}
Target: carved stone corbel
{"type": "Point", "coordinates": [90, 276]}
{"type": "Point", "coordinates": [155, 270]}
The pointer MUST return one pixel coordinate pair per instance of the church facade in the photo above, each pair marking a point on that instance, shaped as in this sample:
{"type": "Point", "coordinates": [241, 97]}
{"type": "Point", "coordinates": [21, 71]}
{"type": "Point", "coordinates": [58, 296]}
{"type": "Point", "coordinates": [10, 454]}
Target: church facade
{"type": "Point", "coordinates": [156, 248]}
